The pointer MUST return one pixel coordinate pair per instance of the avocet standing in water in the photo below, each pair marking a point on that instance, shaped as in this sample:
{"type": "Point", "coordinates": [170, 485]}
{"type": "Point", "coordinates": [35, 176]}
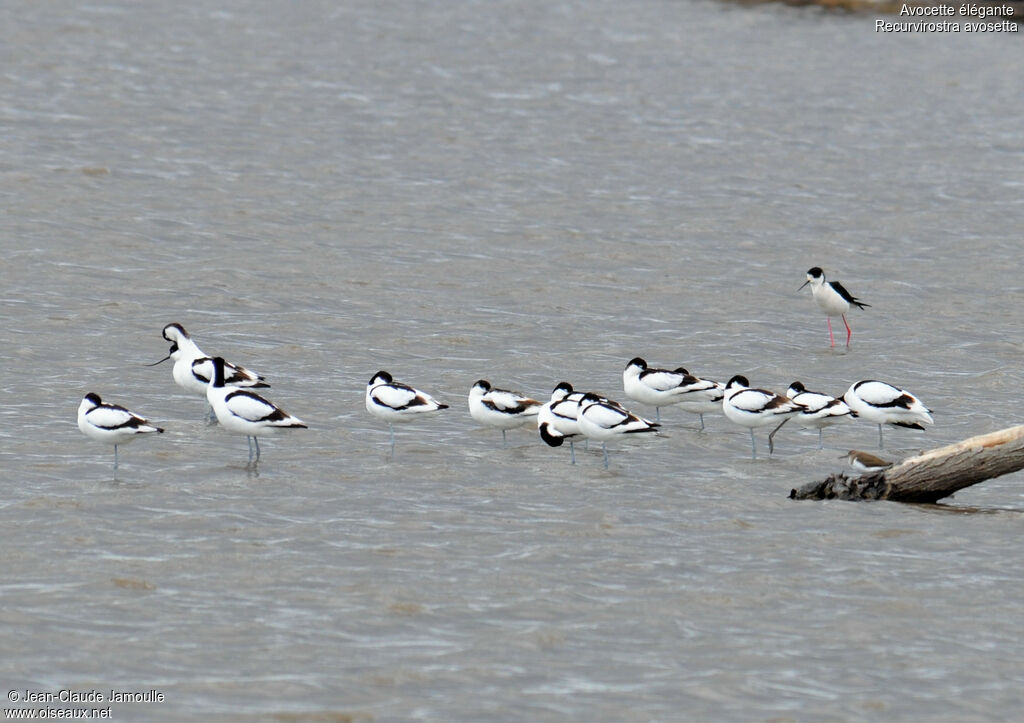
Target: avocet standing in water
{"type": "Point", "coordinates": [602, 419]}
{"type": "Point", "coordinates": [193, 370]}
{"type": "Point", "coordinates": [663, 387]}
{"type": "Point", "coordinates": [501, 408]}
{"type": "Point", "coordinates": [755, 408]}
{"type": "Point", "coordinates": [656, 387]}
{"type": "Point", "coordinates": [111, 423]}
{"type": "Point", "coordinates": [395, 402]}
{"type": "Point", "coordinates": [243, 412]}
{"type": "Point", "coordinates": [817, 410]}
{"type": "Point", "coordinates": [832, 298]}
{"type": "Point", "coordinates": [557, 420]}
{"type": "Point", "coordinates": [883, 403]}
{"type": "Point", "coordinates": [702, 396]}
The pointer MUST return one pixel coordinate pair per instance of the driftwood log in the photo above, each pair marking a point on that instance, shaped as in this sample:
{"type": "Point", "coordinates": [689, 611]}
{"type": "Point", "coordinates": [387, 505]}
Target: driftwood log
{"type": "Point", "coordinates": [929, 476]}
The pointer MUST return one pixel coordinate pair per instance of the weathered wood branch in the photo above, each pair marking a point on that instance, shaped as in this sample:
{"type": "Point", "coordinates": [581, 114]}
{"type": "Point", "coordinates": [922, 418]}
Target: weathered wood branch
{"type": "Point", "coordinates": [929, 476]}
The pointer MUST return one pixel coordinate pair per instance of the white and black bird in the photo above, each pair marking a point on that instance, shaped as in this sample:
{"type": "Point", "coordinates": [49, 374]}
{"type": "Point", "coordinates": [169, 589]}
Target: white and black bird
{"type": "Point", "coordinates": [832, 298]}
{"type": "Point", "coordinates": [865, 461]}
{"type": "Point", "coordinates": [244, 412]}
{"type": "Point", "coordinates": [664, 387]}
{"type": "Point", "coordinates": [702, 395]}
{"type": "Point", "coordinates": [601, 420]}
{"type": "Point", "coordinates": [395, 402]}
{"type": "Point", "coordinates": [753, 408]}
{"type": "Point", "coordinates": [656, 387]}
{"type": "Point", "coordinates": [500, 408]}
{"type": "Point", "coordinates": [817, 410]}
{"type": "Point", "coordinates": [557, 420]}
{"type": "Point", "coordinates": [193, 369]}
{"type": "Point", "coordinates": [110, 423]}
{"type": "Point", "coordinates": [882, 403]}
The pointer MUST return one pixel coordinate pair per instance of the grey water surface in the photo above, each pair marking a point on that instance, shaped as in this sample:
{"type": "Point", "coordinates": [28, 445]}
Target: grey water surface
{"type": "Point", "coordinates": [525, 192]}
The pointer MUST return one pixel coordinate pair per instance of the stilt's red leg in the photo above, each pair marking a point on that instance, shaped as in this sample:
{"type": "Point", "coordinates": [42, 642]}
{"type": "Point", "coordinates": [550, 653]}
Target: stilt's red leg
{"type": "Point", "coordinates": [848, 332]}
{"type": "Point", "coordinates": [831, 338]}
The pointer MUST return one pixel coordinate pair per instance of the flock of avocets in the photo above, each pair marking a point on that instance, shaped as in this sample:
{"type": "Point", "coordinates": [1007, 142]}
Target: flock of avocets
{"type": "Point", "coordinates": [569, 414]}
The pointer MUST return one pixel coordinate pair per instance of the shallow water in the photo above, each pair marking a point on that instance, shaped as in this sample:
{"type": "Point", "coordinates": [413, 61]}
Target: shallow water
{"type": "Point", "coordinates": [524, 192]}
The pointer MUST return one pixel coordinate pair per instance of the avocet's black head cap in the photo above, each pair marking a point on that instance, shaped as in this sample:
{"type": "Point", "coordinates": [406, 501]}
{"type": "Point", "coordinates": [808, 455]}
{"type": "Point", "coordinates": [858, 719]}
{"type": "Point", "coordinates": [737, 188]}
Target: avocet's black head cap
{"type": "Point", "coordinates": [177, 328]}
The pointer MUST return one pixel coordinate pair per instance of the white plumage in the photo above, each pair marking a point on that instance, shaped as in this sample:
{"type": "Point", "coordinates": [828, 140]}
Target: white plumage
{"type": "Point", "coordinates": [395, 402]}
{"type": "Point", "coordinates": [817, 410]}
{"type": "Point", "coordinates": [110, 423]}
{"type": "Point", "coordinates": [755, 408]}
{"type": "Point", "coordinates": [703, 395]}
{"type": "Point", "coordinates": [244, 412]}
{"type": "Point", "coordinates": [664, 387]}
{"type": "Point", "coordinates": [557, 420]}
{"type": "Point", "coordinates": [602, 419]}
{"type": "Point", "coordinates": [193, 370]}
{"type": "Point", "coordinates": [832, 298]}
{"type": "Point", "coordinates": [500, 408]}
{"type": "Point", "coordinates": [882, 403]}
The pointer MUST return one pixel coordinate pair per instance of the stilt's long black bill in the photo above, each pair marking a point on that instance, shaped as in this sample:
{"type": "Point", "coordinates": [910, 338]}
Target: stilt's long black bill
{"type": "Point", "coordinates": [159, 362]}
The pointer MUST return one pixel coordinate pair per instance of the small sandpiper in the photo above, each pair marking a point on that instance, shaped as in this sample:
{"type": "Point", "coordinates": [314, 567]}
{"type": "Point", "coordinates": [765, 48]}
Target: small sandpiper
{"type": "Point", "coordinates": [865, 461]}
